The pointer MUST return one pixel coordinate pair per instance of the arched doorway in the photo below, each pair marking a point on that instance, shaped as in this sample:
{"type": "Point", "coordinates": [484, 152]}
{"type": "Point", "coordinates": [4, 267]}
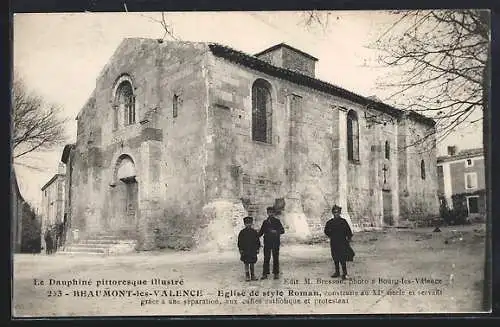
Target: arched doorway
{"type": "Point", "coordinates": [124, 198]}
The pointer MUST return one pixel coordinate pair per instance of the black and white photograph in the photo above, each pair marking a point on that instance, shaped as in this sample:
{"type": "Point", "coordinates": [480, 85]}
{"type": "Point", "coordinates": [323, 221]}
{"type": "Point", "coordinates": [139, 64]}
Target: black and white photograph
{"type": "Point", "coordinates": [234, 163]}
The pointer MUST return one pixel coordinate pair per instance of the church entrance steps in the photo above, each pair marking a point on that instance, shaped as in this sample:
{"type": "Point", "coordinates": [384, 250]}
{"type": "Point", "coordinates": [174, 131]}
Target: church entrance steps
{"type": "Point", "coordinates": [103, 244]}
{"type": "Point", "coordinates": [105, 241]}
{"type": "Point", "coordinates": [68, 253]}
{"type": "Point", "coordinates": [79, 248]}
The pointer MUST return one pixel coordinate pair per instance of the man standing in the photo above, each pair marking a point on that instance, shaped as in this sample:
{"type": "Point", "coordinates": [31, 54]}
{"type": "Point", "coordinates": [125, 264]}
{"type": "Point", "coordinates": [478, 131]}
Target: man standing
{"type": "Point", "coordinates": [49, 244]}
{"type": "Point", "coordinates": [340, 234]}
{"type": "Point", "coordinates": [271, 229]}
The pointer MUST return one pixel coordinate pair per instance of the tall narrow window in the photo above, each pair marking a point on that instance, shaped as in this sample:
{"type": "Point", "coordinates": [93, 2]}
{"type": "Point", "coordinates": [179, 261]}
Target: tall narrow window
{"type": "Point", "coordinates": [422, 169]}
{"type": "Point", "coordinates": [261, 111]}
{"type": "Point", "coordinates": [131, 110]}
{"type": "Point", "coordinates": [387, 150]}
{"type": "Point", "coordinates": [352, 136]}
{"type": "Point", "coordinates": [116, 113]}
{"type": "Point", "coordinates": [125, 102]}
{"type": "Point", "coordinates": [175, 105]}
{"type": "Point", "coordinates": [470, 181]}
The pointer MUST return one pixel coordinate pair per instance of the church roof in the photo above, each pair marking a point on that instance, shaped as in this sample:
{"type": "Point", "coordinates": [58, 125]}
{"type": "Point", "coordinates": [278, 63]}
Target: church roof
{"type": "Point", "coordinates": [51, 181]}
{"type": "Point", "coordinates": [262, 66]}
{"type": "Point", "coordinates": [464, 154]}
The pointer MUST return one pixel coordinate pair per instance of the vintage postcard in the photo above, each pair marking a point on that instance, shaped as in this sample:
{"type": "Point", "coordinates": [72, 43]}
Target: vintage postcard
{"type": "Point", "coordinates": [249, 163]}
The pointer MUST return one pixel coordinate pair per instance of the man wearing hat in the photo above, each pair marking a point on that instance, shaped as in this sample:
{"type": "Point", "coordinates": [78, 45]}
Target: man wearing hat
{"type": "Point", "coordinates": [248, 245]}
{"type": "Point", "coordinates": [340, 234]}
{"type": "Point", "coordinates": [271, 229]}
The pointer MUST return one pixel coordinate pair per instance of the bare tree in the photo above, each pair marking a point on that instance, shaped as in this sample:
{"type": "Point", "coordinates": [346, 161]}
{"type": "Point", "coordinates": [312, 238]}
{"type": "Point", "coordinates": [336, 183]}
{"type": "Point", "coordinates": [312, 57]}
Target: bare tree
{"type": "Point", "coordinates": [444, 57]}
{"type": "Point", "coordinates": [36, 125]}
{"type": "Point", "coordinates": [439, 58]}
{"type": "Point", "coordinates": [166, 27]}
{"type": "Point", "coordinates": [436, 60]}
{"type": "Point", "coordinates": [311, 18]}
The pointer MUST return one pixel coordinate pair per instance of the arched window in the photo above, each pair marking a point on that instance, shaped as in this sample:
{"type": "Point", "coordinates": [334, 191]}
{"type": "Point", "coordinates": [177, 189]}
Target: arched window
{"type": "Point", "coordinates": [422, 169]}
{"type": "Point", "coordinates": [352, 136]}
{"type": "Point", "coordinates": [125, 169]}
{"type": "Point", "coordinates": [387, 150]}
{"type": "Point", "coordinates": [261, 111]}
{"type": "Point", "coordinates": [124, 103]}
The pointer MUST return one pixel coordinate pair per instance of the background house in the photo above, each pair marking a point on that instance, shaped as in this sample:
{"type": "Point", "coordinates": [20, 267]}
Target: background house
{"type": "Point", "coordinates": [461, 179]}
{"type": "Point", "coordinates": [25, 223]}
{"type": "Point", "coordinates": [53, 199]}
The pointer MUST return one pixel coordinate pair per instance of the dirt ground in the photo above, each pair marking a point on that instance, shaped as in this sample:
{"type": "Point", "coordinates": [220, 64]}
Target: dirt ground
{"type": "Point", "coordinates": [383, 275]}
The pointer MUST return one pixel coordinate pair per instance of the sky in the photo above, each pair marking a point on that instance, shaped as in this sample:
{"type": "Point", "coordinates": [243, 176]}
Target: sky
{"type": "Point", "coordinates": [60, 55]}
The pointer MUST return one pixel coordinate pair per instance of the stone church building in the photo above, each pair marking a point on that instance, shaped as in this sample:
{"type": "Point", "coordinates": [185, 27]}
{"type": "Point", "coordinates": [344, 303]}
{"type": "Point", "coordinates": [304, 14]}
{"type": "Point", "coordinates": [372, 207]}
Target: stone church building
{"type": "Point", "coordinates": [180, 140]}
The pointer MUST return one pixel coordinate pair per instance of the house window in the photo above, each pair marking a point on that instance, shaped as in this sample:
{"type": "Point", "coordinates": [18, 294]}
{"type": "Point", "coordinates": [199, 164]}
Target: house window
{"type": "Point", "coordinates": [124, 103]}
{"type": "Point", "coordinates": [175, 105]}
{"type": "Point", "coordinates": [470, 181]}
{"type": "Point", "coordinates": [422, 169]}
{"type": "Point", "coordinates": [473, 204]}
{"type": "Point", "coordinates": [261, 111]}
{"type": "Point", "coordinates": [469, 163]}
{"type": "Point", "coordinates": [387, 150]}
{"type": "Point", "coordinates": [352, 136]}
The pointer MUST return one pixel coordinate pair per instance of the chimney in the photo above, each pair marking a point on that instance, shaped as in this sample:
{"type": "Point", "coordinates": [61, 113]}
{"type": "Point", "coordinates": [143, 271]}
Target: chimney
{"type": "Point", "coordinates": [284, 56]}
{"type": "Point", "coordinates": [452, 150]}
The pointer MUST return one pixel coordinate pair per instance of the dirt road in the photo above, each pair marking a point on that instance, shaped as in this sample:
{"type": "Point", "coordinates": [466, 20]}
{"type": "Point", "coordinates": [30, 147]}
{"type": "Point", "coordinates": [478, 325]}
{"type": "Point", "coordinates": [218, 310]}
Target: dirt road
{"type": "Point", "coordinates": [393, 272]}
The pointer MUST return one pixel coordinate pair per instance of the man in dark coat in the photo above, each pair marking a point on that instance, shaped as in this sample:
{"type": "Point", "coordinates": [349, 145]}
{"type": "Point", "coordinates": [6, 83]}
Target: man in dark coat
{"type": "Point", "coordinates": [271, 229]}
{"type": "Point", "coordinates": [59, 234]}
{"type": "Point", "coordinates": [48, 240]}
{"type": "Point", "coordinates": [340, 234]}
{"type": "Point", "coordinates": [249, 246]}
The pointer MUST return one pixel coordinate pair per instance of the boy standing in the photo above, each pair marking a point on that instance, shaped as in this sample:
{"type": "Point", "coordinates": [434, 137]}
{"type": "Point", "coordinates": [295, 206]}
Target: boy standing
{"type": "Point", "coordinates": [271, 229]}
{"type": "Point", "coordinates": [248, 245]}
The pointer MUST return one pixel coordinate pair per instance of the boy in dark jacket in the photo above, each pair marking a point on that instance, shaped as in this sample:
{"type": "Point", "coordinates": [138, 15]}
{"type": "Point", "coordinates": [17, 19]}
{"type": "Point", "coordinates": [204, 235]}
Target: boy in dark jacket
{"type": "Point", "coordinates": [249, 245]}
{"type": "Point", "coordinates": [271, 229]}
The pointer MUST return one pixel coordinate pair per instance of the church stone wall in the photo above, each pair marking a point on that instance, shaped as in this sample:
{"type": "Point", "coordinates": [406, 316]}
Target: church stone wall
{"type": "Point", "coordinates": [365, 182]}
{"type": "Point", "coordinates": [165, 150]}
{"type": "Point", "coordinates": [419, 201]}
{"type": "Point", "coordinates": [259, 173]}
{"type": "Point", "coordinates": [302, 172]}
{"type": "Point", "coordinates": [204, 159]}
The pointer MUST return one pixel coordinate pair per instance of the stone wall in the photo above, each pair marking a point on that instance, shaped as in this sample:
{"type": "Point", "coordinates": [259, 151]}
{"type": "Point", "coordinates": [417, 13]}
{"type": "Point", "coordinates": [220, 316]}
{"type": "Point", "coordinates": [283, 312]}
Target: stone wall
{"type": "Point", "coordinates": [169, 176]}
{"type": "Point", "coordinates": [193, 163]}
{"type": "Point", "coordinates": [285, 57]}
{"type": "Point", "coordinates": [298, 62]}
{"type": "Point", "coordinates": [366, 178]}
{"type": "Point", "coordinates": [419, 199]}
{"type": "Point", "coordinates": [183, 160]}
{"type": "Point", "coordinates": [304, 172]}
{"type": "Point", "coordinates": [302, 163]}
